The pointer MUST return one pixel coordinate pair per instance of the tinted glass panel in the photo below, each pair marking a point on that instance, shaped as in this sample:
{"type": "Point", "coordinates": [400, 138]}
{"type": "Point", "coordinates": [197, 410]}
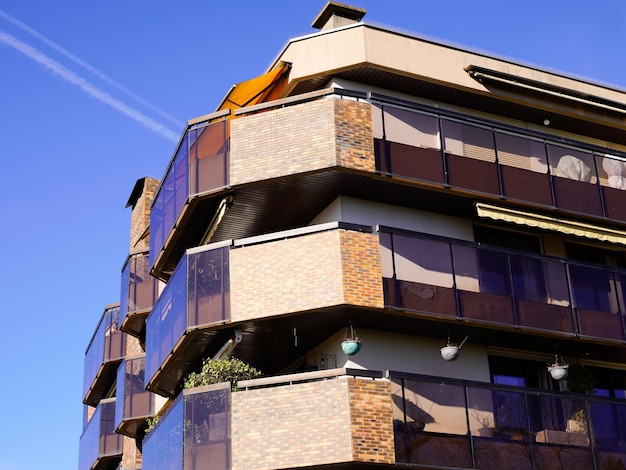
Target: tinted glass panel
{"type": "Point", "coordinates": [575, 180]}
{"type": "Point", "coordinates": [208, 287]}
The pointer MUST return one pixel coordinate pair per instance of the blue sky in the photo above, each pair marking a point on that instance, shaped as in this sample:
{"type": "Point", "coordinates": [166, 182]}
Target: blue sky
{"type": "Point", "coordinates": [93, 96]}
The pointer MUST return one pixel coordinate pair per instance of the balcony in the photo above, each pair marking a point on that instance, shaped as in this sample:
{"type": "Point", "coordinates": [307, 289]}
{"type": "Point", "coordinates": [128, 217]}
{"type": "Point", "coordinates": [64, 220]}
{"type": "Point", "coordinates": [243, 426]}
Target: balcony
{"type": "Point", "coordinates": [339, 417]}
{"type": "Point", "coordinates": [100, 446]}
{"type": "Point", "coordinates": [104, 354]}
{"type": "Point", "coordinates": [134, 403]}
{"type": "Point", "coordinates": [309, 279]}
{"type": "Point", "coordinates": [200, 164]}
{"type": "Point", "coordinates": [441, 159]}
{"type": "Point", "coordinates": [138, 293]}
{"type": "Point", "coordinates": [194, 432]}
{"type": "Point", "coordinates": [441, 423]}
{"type": "Point", "coordinates": [263, 156]}
{"type": "Point", "coordinates": [474, 156]}
{"type": "Point", "coordinates": [490, 286]}
{"type": "Point", "coordinates": [196, 296]}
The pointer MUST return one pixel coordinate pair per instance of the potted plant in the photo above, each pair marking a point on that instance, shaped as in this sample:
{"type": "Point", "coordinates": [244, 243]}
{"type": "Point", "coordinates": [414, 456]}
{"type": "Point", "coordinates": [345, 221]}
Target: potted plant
{"type": "Point", "coordinates": [351, 343]}
{"type": "Point", "coordinates": [557, 370]}
{"type": "Point", "coordinates": [450, 352]}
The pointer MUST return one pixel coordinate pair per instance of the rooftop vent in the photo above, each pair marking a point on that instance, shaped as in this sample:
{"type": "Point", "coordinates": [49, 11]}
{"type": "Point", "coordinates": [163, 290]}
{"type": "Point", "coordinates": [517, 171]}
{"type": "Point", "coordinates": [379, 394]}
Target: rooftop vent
{"type": "Point", "coordinates": [335, 15]}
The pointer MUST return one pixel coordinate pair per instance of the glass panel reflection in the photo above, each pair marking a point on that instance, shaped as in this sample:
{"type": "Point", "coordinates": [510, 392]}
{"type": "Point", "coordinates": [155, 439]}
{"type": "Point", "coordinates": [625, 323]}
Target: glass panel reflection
{"type": "Point", "coordinates": [196, 295]}
{"type": "Point", "coordinates": [431, 275]}
{"type": "Point", "coordinates": [507, 427]}
{"type": "Point", "coordinates": [194, 433]}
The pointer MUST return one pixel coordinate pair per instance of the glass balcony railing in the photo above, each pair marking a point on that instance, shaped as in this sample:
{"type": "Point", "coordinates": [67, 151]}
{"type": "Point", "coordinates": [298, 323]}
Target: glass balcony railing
{"type": "Point", "coordinates": [138, 293]}
{"type": "Point", "coordinates": [193, 434]}
{"type": "Point", "coordinates": [439, 423]}
{"type": "Point", "coordinates": [196, 295]}
{"type": "Point", "coordinates": [478, 157]}
{"type": "Point", "coordinates": [107, 348]}
{"type": "Point", "coordinates": [200, 164]}
{"type": "Point", "coordinates": [99, 441]}
{"type": "Point", "coordinates": [134, 403]}
{"type": "Point", "coordinates": [444, 277]}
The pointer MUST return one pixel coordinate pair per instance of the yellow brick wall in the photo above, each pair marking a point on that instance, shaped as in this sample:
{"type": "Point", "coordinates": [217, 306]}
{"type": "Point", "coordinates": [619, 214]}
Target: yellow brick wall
{"type": "Point", "coordinates": [311, 271]}
{"type": "Point", "coordinates": [305, 137]}
{"type": "Point", "coordinates": [286, 276]}
{"type": "Point", "coordinates": [313, 423]}
{"type": "Point", "coordinates": [362, 271]}
{"type": "Point", "coordinates": [371, 421]}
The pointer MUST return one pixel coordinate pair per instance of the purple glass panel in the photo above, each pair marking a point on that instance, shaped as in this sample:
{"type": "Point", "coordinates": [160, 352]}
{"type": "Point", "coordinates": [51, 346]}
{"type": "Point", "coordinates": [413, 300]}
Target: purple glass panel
{"type": "Point", "coordinates": [207, 430]}
{"type": "Point", "coordinates": [194, 434]}
{"type": "Point", "coordinates": [107, 345]}
{"type": "Point", "coordinates": [541, 293]}
{"type": "Point", "coordinates": [143, 288]}
{"type": "Point", "coordinates": [208, 157]}
{"type": "Point", "coordinates": [114, 338]}
{"type": "Point", "coordinates": [612, 175]}
{"type": "Point", "coordinates": [163, 446]}
{"type": "Point", "coordinates": [430, 425]}
{"type": "Point", "coordinates": [526, 185]}
{"type": "Point", "coordinates": [208, 287]}
{"type": "Point", "coordinates": [575, 181]}
{"type": "Point", "coordinates": [415, 162]}
{"type": "Point", "coordinates": [170, 199]}
{"type": "Point", "coordinates": [608, 422]}
{"type": "Point", "coordinates": [596, 293]}
{"type": "Point", "coordinates": [99, 440]}
{"type": "Point", "coordinates": [524, 168]}
{"type": "Point", "coordinates": [167, 321]}
{"type": "Point", "coordinates": [423, 273]}
{"type": "Point", "coordinates": [134, 402]}
{"type": "Point", "coordinates": [470, 154]}
{"type": "Point", "coordinates": [482, 278]}
{"type": "Point", "coordinates": [381, 155]}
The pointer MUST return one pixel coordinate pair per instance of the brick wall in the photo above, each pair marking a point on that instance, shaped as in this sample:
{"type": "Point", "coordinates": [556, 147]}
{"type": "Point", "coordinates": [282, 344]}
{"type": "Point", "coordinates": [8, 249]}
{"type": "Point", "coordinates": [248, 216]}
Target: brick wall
{"type": "Point", "coordinates": [362, 271]}
{"type": "Point", "coordinates": [312, 423]}
{"type": "Point", "coordinates": [307, 272]}
{"type": "Point", "coordinates": [131, 456]}
{"type": "Point", "coordinates": [140, 217]}
{"type": "Point", "coordinates": [305, 137]}
{"type": "Point", "coordinates": [371, 421]}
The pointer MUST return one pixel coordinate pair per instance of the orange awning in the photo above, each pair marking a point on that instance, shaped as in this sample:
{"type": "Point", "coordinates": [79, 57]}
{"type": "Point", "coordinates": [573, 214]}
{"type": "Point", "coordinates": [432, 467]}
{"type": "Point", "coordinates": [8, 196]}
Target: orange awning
{"type": "Point", "coordinates": [263, 88]}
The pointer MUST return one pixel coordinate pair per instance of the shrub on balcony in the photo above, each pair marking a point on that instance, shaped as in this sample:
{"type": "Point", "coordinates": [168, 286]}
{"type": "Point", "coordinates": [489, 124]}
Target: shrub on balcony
{"type": "Point", "coordinates": [215, 371]}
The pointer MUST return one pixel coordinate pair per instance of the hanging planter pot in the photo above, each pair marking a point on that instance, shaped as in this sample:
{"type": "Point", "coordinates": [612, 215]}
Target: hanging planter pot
{"type": "Point", "coordinates": [450, 352]}
{"type": "Point", "coordinates": [557, 370]}
{"type": "Point", "coordinates": [351, 344]}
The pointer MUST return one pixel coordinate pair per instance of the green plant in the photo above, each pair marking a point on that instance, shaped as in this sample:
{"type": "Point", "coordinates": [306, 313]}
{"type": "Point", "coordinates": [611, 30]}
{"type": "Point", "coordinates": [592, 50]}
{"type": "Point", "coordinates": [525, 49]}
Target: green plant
{"type": "Point", "coordinates": [151, 423]}
{"type": "Point", "coordinates": [216, 371]}
{"type": "Point", "coordinates": [580, 379]}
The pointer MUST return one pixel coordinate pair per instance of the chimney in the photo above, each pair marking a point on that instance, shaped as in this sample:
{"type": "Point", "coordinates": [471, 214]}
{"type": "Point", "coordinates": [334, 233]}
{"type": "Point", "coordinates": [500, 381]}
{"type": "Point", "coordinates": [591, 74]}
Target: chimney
{"type": "Point", "coordinates": [140, 201]}
{"type": "Point", "coordinates": [335, 15]}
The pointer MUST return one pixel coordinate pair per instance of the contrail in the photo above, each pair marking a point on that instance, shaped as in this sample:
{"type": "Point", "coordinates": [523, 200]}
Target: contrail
{"type": "Point", "coordinates": [88, 67]}
{"type": "Point", "coordinates": [93, 91]}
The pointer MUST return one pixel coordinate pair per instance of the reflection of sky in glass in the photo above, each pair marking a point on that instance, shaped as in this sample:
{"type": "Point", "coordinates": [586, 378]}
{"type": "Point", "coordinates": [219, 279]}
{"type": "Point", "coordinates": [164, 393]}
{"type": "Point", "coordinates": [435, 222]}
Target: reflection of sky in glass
{"type": "Point", "coordinates": [509, 380]}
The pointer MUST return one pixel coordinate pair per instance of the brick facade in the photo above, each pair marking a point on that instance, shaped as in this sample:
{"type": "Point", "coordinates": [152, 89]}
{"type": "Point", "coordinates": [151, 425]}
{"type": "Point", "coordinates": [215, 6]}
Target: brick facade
{"type": "Point", "coordinates": [140, 217]}
{"type": "Point", "coordinates": [306, 137]}
{"type": "Point", "coordinates": [362, 270]}
{"type": "Point", "coordinates": [303, 273]}
{"type": "Point", "coordinates": [371, 421]}
{"type": "Point", "coordinates": [313, 423]}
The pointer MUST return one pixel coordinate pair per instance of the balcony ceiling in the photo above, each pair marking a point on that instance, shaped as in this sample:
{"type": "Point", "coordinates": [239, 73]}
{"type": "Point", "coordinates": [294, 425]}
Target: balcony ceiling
{"type": "Point", "coordinates": [292, 202]}
{"type": "Point", "coordinates": [270, 344]}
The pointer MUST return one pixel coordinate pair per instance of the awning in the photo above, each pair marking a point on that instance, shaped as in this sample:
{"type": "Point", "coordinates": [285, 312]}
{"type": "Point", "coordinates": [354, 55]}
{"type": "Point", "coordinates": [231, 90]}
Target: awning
{"type": "Point", "coordinates": [259, 89]}
{"type": "Point", "coordinates": [544, 222]}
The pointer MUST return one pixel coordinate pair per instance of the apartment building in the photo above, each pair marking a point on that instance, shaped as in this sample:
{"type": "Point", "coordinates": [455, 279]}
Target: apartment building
{"type": "Point", "coordinates": [421, 247]}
